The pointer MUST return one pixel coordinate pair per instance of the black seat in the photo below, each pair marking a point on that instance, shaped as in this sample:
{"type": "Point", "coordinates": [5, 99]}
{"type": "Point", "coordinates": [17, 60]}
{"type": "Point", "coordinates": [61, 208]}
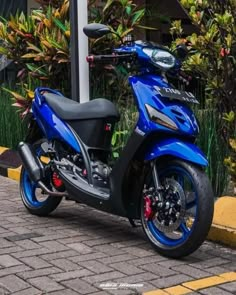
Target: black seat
{"type": "Point", "coordinates": [68, 109]}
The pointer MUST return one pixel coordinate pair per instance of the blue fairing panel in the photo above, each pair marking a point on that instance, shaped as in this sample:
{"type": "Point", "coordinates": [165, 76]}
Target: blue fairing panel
{"type": "Point", "coordinates": [178, 149]}
{"type": "Point", "coordinates": [50, 124]}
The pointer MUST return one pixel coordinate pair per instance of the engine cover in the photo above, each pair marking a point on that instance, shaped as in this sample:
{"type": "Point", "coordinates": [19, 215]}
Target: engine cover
{"type": "Point", "coordinates": [100, 173]}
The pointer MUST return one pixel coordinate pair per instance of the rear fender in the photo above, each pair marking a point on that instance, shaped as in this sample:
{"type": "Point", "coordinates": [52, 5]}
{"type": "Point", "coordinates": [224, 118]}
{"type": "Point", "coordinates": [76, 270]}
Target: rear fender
{"type": "Point", "coordinates": [33, 133]}
{"type": "Point", "coordinates": [178, 149]}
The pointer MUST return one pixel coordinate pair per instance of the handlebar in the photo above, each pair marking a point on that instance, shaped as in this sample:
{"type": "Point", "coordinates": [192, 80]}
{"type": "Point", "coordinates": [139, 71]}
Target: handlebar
{"type": "Point", "coordinates": [111, 58]}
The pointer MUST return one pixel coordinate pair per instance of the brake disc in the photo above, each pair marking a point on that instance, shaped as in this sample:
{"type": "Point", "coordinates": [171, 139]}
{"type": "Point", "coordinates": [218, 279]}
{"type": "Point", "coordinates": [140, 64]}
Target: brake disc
{"type": "Point", "coordinates": [168, 218]}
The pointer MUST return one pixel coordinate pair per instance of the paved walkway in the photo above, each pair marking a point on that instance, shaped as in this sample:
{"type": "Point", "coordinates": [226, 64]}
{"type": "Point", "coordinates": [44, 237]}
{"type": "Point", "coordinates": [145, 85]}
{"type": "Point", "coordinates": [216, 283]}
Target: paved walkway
{"type": "Point", "coordinates": [77, 249]}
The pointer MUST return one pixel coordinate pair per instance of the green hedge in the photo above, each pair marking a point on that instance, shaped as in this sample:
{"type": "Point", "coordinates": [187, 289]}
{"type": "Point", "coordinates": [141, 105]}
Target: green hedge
{"type": "Point", "coordinates": [12, 128]}
{"type": "Point", "coordinates": [212, 143]}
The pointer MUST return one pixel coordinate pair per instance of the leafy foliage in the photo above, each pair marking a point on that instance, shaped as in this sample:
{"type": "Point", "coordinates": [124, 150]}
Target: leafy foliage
{"type": "Point", "coordinates": [122, 16]}
{"type": "Point", "coordinates": [22, 96]}
{"type": "Point", "coordinates": [212, 61]}
{"type": "Point", "coordinates": [230, 161]}
{"type": "Point", "coordinates": [39, 45]}
{"type": "Point", "coordinates": [214, 147]}
{"type": "Point", "coordinates": [213, 49]}
{"type": "Point", "coordinates": [12, 128]}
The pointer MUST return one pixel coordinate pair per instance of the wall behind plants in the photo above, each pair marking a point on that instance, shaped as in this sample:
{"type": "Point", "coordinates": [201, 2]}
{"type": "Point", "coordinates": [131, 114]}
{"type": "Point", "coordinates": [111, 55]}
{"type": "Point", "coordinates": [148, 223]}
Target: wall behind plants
{"type": "Point", "coordinates": [8, 7]}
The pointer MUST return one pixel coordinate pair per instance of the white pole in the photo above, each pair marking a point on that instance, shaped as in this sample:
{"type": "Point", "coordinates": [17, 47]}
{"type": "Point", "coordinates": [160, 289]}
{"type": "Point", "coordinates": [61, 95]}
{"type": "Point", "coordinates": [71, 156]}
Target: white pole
{"type": "Point", "coordinates": [82, 6]}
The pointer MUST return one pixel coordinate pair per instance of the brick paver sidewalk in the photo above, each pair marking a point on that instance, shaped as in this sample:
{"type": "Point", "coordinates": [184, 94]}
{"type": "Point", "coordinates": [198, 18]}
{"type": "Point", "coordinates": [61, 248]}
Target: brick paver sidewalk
{"type": "Point", "coordinates": [77, 248]}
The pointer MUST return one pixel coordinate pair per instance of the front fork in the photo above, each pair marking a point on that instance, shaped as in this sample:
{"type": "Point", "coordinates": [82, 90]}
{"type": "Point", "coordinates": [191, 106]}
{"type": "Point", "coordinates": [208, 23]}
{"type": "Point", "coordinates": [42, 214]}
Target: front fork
{"type": "Point", "coordinates": [153, 196]}
{"type": "Point", "coordinates": [156, 180]}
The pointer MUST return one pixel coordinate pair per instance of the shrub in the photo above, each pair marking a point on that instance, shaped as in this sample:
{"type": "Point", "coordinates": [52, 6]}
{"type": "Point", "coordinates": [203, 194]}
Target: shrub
{"type": "Point", "coordinates": [212, 61]}
{"type": "Point", "coordinates": [213, 49]}
{"type": "Point", "coordinates": [39, 45]}
{"type": "Point", "coordinates": [230, 161]}
{"type": "Point", "coordinates": [12, 129]}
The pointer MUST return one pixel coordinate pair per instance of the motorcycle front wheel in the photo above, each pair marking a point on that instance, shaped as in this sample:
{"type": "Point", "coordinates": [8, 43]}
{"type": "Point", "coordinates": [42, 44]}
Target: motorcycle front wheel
{"type": "Point", "coordinates": [179, 223]}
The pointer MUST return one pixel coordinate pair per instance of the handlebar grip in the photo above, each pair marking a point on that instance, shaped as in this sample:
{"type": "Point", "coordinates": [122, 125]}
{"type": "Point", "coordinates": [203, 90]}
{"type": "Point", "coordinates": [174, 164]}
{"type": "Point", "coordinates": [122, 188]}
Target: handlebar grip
{"type": "Point", "coordinates": [110, 58]}
{"type": "Point", "coordinates": [100, 58]}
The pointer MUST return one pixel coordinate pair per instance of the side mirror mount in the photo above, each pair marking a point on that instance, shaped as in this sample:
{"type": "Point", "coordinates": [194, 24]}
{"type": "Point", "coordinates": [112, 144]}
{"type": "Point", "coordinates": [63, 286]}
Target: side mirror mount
{"type": "Point", "coordinates": [182, 51]}
{"type": "Point", "coordinates": [96, 31]}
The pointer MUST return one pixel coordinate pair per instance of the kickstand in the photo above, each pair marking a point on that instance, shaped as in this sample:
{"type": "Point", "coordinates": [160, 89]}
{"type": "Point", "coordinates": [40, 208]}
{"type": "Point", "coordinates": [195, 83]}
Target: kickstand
{"type": "Point", "coordinates": [132, 222]}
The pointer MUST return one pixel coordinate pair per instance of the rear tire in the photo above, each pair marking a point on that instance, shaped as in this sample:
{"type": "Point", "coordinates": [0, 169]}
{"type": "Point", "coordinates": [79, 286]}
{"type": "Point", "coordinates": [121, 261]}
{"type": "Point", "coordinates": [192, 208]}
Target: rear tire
{"type": "Point", "coordinates": [190, 232]}
{"type": "Point", "coordinates": [28, 190]}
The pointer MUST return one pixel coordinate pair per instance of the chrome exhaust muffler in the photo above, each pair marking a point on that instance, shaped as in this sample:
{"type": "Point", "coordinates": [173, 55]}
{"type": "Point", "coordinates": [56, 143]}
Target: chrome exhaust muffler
{"type": "Point", "coordinates": [35, 168]}
{"type": "Point", "coordinates": [31, 162]}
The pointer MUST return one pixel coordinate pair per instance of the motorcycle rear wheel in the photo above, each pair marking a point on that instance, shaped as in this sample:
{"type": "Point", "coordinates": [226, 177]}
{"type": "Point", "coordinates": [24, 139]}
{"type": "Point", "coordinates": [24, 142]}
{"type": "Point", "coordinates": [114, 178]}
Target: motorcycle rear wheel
{"type": "Point", "coordinates": [32, 197]}
{"type": "Point", "coordinates": [187, 189]}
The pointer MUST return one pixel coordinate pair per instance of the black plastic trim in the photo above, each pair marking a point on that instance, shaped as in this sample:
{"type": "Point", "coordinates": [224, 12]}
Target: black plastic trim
{"type": "Point", "coordinates": [119, 174]}
{"type": "Point", "coordinates": [85, 154]}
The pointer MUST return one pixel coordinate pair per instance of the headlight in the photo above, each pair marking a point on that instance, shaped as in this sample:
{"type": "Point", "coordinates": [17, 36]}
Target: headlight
{"type": "Point", "coordinates": [160, 118]}
{"type": "Point", "coordinates": [161, 58]}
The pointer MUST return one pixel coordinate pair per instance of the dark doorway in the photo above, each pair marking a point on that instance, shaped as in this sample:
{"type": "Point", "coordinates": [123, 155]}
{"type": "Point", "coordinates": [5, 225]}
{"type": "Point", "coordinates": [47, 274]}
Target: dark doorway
{"type": "Point", "coordinates": [8, 7]}
{"type": "Point", "coordinates": [162, 13]}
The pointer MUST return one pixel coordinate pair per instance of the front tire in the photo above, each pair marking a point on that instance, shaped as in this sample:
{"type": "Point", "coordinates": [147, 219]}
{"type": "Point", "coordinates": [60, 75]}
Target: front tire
{"type": "Point", "coordinates": [181, 223]}
{"type": "Point", "coordinates": [32, 197]}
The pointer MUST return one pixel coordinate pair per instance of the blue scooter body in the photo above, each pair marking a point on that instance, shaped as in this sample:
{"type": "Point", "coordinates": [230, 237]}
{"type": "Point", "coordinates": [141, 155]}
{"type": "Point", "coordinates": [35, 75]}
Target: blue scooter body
{"type": "Point", "coordinates": [158, 177]}
{"type": "Point", "coordinates": [144, 89]}
{"type": "Point", "coordinates": [151, 140]}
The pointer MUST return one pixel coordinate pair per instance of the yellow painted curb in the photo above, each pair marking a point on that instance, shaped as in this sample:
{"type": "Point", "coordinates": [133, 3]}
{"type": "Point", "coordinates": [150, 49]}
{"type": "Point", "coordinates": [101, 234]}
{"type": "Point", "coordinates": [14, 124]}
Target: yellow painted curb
{"type": "Point", "coordinates": [222, 235]}
{"type": "Point", "coordinates": [205, 283]}
{"type": "Point", "coordinates": [156, 292]}
{"type": "Point", "coordinates": [223, 228]}
{"type": "Point", "coordinates": [14, 173]}
{"type": "Point", "coordinates": [191, 286]}
{"type": "Point", "coordinates": [225, 212]}
{"type": "Point", "coordinates": [229, 276]}
{"type": "Point", "coordinates": [3, 149]}
{"type": "Point", "coordinates": [177, 290]}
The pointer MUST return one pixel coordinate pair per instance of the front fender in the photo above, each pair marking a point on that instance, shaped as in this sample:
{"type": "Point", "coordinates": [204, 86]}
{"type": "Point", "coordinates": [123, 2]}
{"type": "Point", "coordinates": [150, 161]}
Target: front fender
{"type": "Point", "coordinates": [178, 149]}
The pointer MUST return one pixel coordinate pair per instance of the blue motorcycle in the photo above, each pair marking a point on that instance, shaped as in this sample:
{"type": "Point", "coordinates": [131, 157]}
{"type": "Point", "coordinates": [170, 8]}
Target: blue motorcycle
{"type": "Point", "coordinates": [159, 178]}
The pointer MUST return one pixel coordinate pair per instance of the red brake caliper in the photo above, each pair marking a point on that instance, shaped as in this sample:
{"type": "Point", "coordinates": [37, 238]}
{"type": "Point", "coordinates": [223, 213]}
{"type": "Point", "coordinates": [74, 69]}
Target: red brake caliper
{"type": "Point", "coordinates": [57, 182]}
{"type": "Point", "coordinates": [148, 212]}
